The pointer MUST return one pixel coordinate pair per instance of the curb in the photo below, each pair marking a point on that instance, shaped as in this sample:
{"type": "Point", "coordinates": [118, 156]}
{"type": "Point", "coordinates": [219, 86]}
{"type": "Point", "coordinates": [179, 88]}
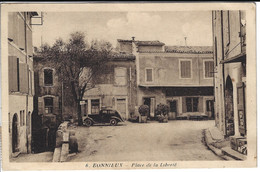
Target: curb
{"type": "Point", "coordinates": [208, 142]}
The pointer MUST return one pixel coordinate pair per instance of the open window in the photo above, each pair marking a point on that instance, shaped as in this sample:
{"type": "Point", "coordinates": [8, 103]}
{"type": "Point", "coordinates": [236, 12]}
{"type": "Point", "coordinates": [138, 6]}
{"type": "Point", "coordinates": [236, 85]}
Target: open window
{"type": "Point", "coordinates": [48, 77]}
{"type": "Point", "coordinates": [48, 105]}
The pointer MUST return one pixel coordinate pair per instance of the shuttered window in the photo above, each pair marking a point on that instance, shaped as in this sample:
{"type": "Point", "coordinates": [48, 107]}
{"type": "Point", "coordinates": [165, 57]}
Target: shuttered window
{"type": "Point", "coordinates": [120, 76]}
{"type": "Point", "coordinates": [149, 75]}
{"type": "Point", "coordinates": [185, 69]}
{"type": "Point", "coordinates": [13, 65]}
{"type": "Point", "coordinates": [209, 69]}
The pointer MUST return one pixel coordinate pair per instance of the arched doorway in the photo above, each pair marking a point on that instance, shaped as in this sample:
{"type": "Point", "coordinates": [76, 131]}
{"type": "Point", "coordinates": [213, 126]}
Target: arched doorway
{"type": "Point", "coordinates": [15, 134]}
{"type": "Point", "coordinates": [229, 108]}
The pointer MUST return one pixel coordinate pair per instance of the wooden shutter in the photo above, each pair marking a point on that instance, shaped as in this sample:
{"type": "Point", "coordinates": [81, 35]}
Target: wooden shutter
{"type": "Point", "coordinates": [241, 107]}
{"type": "Point", "coordinates": [152, 107]}
{"type": "Point", "coordinates": [29, 42]}
{"type": "Point", "coordinates": [11, 25]}
{"type": "Point", "coordinates": [186, 69]}
{"type": "Point", "coordinates": [21, 33]}
{"type": "Point", "coordinates": [56, 105]}
{"type": "Point", "coordinates": [40, 105]}
{"type": "Point", "coordinates": [13, 73]}
{"type": "Point", "coordinates": [23, 76]}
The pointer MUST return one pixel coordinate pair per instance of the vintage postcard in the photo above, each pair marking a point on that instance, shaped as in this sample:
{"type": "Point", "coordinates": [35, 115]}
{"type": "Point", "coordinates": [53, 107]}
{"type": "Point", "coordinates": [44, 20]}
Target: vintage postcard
{"type": "Point", "coordinates": [128, 86]}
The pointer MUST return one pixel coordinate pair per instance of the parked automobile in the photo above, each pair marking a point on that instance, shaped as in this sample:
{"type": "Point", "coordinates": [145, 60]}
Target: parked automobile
{"type": "Point", "coordinates": [110, 116]}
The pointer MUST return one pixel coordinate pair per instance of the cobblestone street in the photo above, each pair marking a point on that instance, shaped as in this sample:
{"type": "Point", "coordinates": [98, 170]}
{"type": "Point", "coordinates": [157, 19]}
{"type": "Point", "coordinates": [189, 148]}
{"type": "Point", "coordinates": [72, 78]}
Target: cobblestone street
{"type": "Point", "coordinates": [173, 141]}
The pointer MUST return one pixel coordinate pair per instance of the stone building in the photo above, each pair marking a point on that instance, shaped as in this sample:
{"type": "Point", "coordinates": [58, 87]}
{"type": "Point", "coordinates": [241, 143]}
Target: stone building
{"type": "Point", "coordinates": [229, 40]}
{"type": "Point", "coordinates": [180, 76]}
{"type": "Point", "coordinates": [21, 86]}
{"type": "Point", "coordinates": [47, 104]}
{"type": "Point", "coordinates": [115, 87]}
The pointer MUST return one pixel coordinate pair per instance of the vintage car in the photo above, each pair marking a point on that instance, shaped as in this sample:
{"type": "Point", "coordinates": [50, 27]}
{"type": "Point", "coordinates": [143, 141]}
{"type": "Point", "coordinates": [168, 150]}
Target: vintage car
{"type": "Point", "coordinates": [110, 116]}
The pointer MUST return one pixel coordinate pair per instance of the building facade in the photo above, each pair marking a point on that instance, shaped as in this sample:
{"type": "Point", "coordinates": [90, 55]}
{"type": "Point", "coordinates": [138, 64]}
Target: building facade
{"type": "Point", "coordinates": [181, 77]}
{"type": "Point", "coordinates": [21, 76]}
{"type": "Point", "coordinates": [229, 40]}
{"type": "Point", "coordinates": [47, 104]}
{"type": "Point", "coordinates": [114, 88]}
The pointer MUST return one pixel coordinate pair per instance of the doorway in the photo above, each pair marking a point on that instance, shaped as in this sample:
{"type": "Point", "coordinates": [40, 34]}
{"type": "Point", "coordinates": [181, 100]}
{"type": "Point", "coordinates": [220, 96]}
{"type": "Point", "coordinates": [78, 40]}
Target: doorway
{"type": "Point", "coordinates": [173, 108]}
{"type": "Point", "coordinates": [15, 134]}
{"type": "Point", "coordinates": [149, 101]}
{"type": "Point", "coordinates": [121, 107]}
{"type": "Point", "coordinates": [229, 108]}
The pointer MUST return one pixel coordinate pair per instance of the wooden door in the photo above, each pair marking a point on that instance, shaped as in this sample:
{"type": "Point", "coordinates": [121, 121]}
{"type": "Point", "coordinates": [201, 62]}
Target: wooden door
{"type": "Point", "coordinates": [15, 134]}
{"type": "Point", "coordinates": [241, 108]}
{"type": "Point", "coordinates": [173, 109]}
{"type": "Point", "coordinates": [121, 107]}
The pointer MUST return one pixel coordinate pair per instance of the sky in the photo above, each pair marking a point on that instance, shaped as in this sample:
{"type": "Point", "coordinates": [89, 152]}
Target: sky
{"type": "Point", "coordinates": [167, 27]}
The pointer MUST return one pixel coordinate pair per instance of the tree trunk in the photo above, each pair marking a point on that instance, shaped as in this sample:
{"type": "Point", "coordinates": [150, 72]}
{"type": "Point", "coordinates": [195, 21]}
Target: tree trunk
{"type": "Point", "coordinates": [79, 114]}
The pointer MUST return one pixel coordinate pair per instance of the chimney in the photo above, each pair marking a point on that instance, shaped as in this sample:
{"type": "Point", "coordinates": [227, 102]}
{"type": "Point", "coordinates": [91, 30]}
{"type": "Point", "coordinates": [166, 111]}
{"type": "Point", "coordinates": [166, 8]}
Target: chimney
{"type": "Point", "coordinates": [133, 38]}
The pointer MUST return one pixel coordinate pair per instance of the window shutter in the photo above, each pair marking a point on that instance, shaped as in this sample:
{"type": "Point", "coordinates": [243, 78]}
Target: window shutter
{"type": "Point", "coordinates": [13, 80]}
{"type": "Point", "coordinates": [29, 42]}
{"type": "Point", "coordinates": [185, 69]}
{"type": "Point", "coordinates": [56, 105]}
{"type": "Point", "coordinates": [23, 76]}
{"type": "Point", "coordinates": [11, 25]}
{"type": "Point", "coordinates": [10, 75]}
{"type": "Point", "coordinates": [21, 33]}
{"type": "Point", "coordinates": [40, 105]}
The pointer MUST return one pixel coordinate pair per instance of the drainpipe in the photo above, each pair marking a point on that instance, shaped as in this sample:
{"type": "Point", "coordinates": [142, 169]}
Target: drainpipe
{"type": "Point", "coordinates": [223, 71]}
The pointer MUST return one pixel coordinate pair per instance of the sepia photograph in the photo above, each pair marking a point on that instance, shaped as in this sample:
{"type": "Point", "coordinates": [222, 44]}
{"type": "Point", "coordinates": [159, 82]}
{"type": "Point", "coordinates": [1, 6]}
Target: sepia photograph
{"type": "Point", "coordinates": [128, 86]}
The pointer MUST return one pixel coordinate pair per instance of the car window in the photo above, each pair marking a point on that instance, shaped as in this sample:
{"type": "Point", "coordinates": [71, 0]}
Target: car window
{"type": "Point", "coordinates": [104, 111]}
{"type": "Point", "coordinates": [111, 112]}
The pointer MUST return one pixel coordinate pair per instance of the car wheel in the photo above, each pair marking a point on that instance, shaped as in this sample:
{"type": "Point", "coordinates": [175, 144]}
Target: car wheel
{"type": "Point", "coordinates": [113, 122]}
{"type": "Point", "coordinates": [88, 122]}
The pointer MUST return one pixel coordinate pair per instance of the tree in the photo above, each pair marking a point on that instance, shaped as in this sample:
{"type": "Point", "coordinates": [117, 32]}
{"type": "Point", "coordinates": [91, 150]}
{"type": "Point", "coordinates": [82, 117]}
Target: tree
{"type": "Point", "coordinates": [77, 64]}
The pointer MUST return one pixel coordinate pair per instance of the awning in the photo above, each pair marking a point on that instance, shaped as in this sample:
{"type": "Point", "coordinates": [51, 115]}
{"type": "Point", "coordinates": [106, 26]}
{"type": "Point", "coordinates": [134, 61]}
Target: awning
{"type": "Point", "coordinates": [238, 58]}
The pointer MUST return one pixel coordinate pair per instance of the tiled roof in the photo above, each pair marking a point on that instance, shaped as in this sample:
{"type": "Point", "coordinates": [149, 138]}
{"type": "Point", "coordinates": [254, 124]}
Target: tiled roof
{"type": "Point", "coordinates": [189, 49]}
{"type": "Point", "coordinates": [122, 56]}
{"type": "Point", "coordinates": [123, 40]}
{"type": "Point", "coordinates": [149, 43]}
{"type": "Point", "coordinates": [142, 42]}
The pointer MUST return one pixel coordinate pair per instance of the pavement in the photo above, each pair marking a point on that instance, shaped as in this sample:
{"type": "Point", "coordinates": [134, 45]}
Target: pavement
{"type": "Point", "coordinates": [216, 142]}
{"type": "Point", "coordinates": [177, 140]}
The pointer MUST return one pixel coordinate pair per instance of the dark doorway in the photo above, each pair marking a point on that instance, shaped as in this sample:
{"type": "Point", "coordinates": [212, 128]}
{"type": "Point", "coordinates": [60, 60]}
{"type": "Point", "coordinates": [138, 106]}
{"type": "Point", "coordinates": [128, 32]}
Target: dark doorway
{"type": "Point", "coordinates": [15, 134]}
{"type": "Point", "coordinates": [149, 101]}
{"type": "Point", "coordinates": [173, 109]}
{"type": "Point", "coordinates": [28, 131]}
{"type": "Point", "coordinates": [229, 108]}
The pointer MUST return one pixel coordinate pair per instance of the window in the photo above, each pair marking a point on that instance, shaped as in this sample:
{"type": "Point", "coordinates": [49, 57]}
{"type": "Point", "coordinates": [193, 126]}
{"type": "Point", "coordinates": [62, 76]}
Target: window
{"type": "Point", "coordinates": [149, 75]}
{"type": "Point", "coordinates": [192, 104]}
{"type": "Point", "coordinates": [120, 76]}
{"type": "Point", "coordinates": [185, 68]}
{"type": "Point", "coordinates": [48, 103]}
{"type": "Point", "coordinates": [208, 69]}
{"type": "Point", "coordinates": [95, 106]}
{"type": "Point", "coordinates": [48, 77]}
